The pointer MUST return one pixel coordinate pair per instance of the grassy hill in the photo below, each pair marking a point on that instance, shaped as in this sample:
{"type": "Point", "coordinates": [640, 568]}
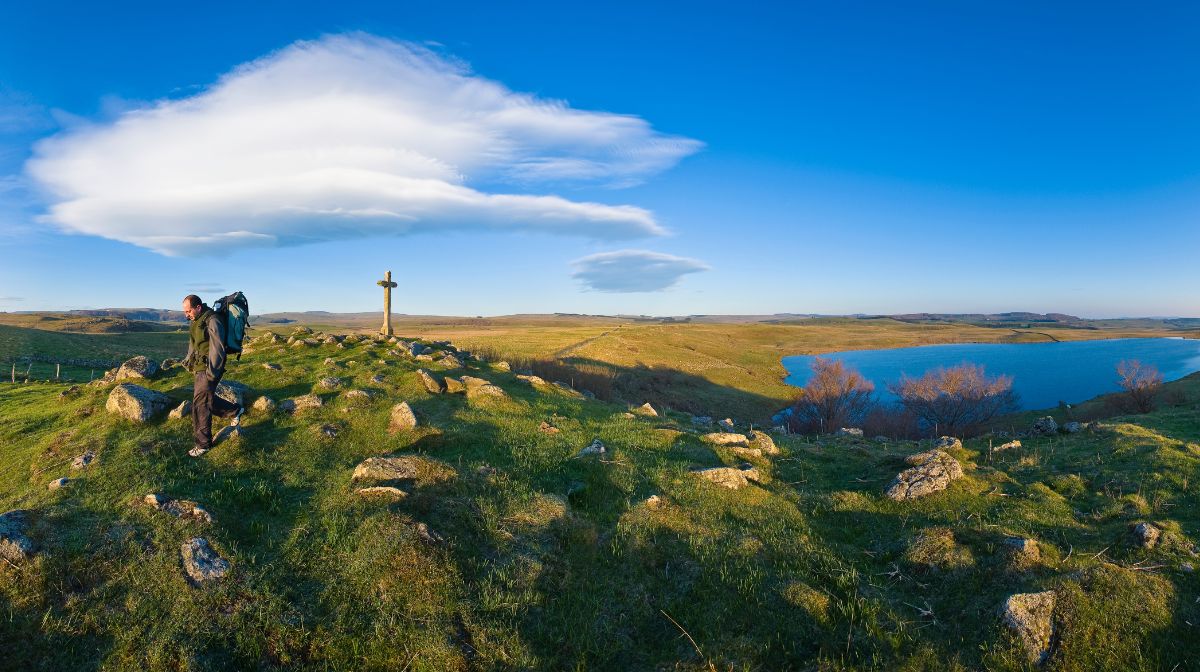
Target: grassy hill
{"type": "Point", "coordinates": [522, 554]}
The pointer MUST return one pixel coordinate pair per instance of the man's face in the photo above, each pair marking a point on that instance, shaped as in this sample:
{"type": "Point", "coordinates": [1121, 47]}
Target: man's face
{"type": "Point", "coordinates": [191, 311]}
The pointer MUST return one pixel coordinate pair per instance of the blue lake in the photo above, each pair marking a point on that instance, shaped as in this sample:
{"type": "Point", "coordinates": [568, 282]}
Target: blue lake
{"type": "Point", "coordinates": [1043, 373]}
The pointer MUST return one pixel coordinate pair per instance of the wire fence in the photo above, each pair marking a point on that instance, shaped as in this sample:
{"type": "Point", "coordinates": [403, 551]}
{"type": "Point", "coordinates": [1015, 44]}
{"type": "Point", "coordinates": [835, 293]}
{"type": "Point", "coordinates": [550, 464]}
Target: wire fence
{"type": "Point", "coordinates": [42, 367]}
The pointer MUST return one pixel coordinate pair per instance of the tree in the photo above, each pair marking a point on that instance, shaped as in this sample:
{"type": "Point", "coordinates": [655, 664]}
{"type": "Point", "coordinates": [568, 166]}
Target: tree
{"type": "Point", "coordinates": [1141, 382]}
{"type": "Point", "coordinates": [956, 400]}
{"type": "Point", "coordinates": [834, 397]}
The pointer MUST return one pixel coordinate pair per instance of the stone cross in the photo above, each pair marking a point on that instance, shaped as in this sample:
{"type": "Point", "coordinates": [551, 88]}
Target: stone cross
{"type": "Point", "coordinates": [387, 285]}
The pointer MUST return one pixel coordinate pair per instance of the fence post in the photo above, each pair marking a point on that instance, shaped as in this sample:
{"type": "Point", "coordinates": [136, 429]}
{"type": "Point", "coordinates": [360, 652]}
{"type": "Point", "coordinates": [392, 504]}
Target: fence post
{"type": "Point", "coordinates": [14, 372]}
{"type": "Point", "coordinates": [57, 371]}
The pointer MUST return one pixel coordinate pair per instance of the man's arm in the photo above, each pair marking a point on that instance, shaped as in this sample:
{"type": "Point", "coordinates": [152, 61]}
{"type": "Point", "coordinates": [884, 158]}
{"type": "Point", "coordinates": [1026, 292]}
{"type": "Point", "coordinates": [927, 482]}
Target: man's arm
{"type": "Point", "coordinates": [216, 346]}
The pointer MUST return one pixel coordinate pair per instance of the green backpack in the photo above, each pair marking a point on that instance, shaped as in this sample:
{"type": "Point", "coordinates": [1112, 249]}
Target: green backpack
{"type": "Point", "coordinates": [235, 312]}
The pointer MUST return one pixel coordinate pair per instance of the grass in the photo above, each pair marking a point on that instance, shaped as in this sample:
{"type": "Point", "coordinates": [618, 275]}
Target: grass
{"type": "Point", "coordinates": [549, 561]}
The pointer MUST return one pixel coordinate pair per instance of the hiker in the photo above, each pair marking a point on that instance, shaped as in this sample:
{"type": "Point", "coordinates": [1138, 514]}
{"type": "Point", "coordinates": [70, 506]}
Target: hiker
{"type": "Point", "coordinates": [206, 359]}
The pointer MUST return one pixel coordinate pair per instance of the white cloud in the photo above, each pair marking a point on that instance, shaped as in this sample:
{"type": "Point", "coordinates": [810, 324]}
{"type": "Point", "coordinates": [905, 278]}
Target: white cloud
{"type": "Point", "coordinates": [633, 270]}
{"type": "Point", "coordinates": [349, 135]}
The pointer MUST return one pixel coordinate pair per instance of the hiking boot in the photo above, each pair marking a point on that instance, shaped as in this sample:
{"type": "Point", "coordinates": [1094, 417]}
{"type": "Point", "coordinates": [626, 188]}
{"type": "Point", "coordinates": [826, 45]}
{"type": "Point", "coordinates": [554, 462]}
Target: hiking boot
{"type": "Point", "coordinates": [197, 451]}
{"type": "Point", "coordinates": [237, 419]}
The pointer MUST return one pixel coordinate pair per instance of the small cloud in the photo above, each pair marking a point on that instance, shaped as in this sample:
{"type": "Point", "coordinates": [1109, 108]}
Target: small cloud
{"type": "Point", "coordinates": [204, 288]}
{"type": "Point", "coordinates": [633, 270]}
{"type": "Point", "coordinates": [346, 136]}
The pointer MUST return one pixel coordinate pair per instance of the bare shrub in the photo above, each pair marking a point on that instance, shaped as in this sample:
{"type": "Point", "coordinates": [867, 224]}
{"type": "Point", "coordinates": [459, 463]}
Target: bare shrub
{"type": "Point", "coordinates": [892, 421]}
{"type": "Point", "coordinates": [1141, 382]}
{"type": "Point", "coordinates": [957, 400]}
{"type": "Point", "coordinates": [836, 396]}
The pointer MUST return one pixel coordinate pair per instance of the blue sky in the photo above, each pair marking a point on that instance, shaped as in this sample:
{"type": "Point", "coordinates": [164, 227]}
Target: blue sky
{"type": "Point", "coordinates": [656, 158]}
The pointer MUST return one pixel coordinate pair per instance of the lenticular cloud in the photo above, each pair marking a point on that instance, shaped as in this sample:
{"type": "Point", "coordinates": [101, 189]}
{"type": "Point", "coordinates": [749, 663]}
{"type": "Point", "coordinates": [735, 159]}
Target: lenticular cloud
{"type": "Point", "coordinates": [634, 270]}
{"type": "Point", "coordinates": [347, 136]}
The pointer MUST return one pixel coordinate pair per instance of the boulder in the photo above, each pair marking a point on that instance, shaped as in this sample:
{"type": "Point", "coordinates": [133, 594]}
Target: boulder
{"type": "Point", "coordinates": [726, 424]}
{"type": "Point", "coordinates": [58, 483]}
{"type": "Point", "coordinates": [646, 409]}
{"type": "Point", "coordinates": [233, 391]}
{"type": "Point", "coordinates": [1021, 553]}
{"type": "Point", "coordinates": [431, 384]}
{"type": "Point", "coordinates": [502, 366]}
{"type": "Point", "coordinates": [531, 379]}
{"type": "Point", "coordinates": [301, 403]}
{"type": "Point", "coordinates": [401, 418]}
{"type": "Point", "coordinates": [265, 404]}
{"type": "Point", "coordinates": [201, 563]}
{"type": "Point", "coordinates": [849, 431]}
{"type": "Point", "coordinates": [357, 396]}
{"type": "Point", "coordinates": [729, 477]}
{"type": "Point", "coordinates": [136, 403]}
{"type": "Point", "coordinates": [418, 469]}
{"type": "Point", "coordinates": [1072, 427]}
{"type": "Point", "coordinates": [179, 508]}
{"type": "Point", "coordinates": [330, 383]}
{"type": "Point", "coordinates": [1028, 616]}
{"type": "Point", "coordinates": [763, 441]}
{"type": "Point", "coordinates": [932, 472]}
{"type": "Point", "coordinates": [183, 410]}
{"type": "Point", "coordinates": [137, 368]}
{"type": "Point", "coordinates": [451, 362]}
{"type": "Point", "coordinates": [1146, 535]}
{"type": "Point", "coordinates": [15, 544]}
{"type": "Point", "coordinates": [454, 386]}
{"type": "Point", "coordinates": [487, 390]}
{"type": "Point", "coordinates": [1044, 426]}
{"type": "Point", "coordinates": [1015, 443]}
{"type": "Point", "coordinates": [726, 439]}
{"type": "Point", "coordinates": [947, 443]}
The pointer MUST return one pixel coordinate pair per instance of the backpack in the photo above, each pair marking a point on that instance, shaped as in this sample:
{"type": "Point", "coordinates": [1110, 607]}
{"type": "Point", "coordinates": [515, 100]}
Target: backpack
{"type": "Point", "coordinates": [235, 312]}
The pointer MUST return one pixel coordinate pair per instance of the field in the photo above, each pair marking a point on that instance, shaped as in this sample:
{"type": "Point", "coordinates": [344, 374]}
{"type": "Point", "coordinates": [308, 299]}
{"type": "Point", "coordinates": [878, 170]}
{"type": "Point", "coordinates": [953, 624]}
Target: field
{"type": "Point", "coordinates": [523, 554]}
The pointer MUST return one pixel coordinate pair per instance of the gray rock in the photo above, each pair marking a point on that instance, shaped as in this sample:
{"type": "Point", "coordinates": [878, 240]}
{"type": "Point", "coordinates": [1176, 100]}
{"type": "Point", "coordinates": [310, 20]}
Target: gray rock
{"type": "Point", "coordinates": [502, 366]}
{"type": "Point", "coordinates": [596, 447]}
{"type": "Point", "coordinates": [183, 410]}
{"type": "Point", "coordinates": [763, 441]}
{"type": "Point", "coordinates": [85, 460]}
{"type": "Point", "coordinates": [450, 361]}
{"type": "Point", "coordinates": [416, 468]}
{"type": "Point", "coordinates": [454, 386]}
{"type": "Point", "coordinates": [233, 391]}
{"type": "Point", "coordinates": [646, 409]}
{"type": "Point", "coordinates": [1147, 535]}
{"type": "Point", "coordinates": [729, 477]}
{"type": "Point", "coordinates": [1072, 427]}
{"type": "Point", "coordinates": [358, 396]}
{"type": "Point", "coordinates": [484, 391]}
{"type": "Point", "coordinates": [58, 483]}
{"type": "Point", "coordinates": [136, 403]}
{"type": "Point", "coordinates": [1029, 617]}
{"type": "Point", "coordinates": [947, 443]}
{"type": "Point", "coordinates": [301, 403]}
{"type": "Point", "coordinates": [932, 472]}
{"type": "Point", "coordinates": [137, 368]}
{"type": "Point", "coordinates": [330, 382]}
{"type": "Point", "coordinates": [1044, 426]}
{"type": "Point", "coordinates": [726, 424]}
{"type": "Point", "coordinates": [849, 431]}
{"type": "Point", "coordinates": [401, 418]}
{"type": "Point", "coordinates": [179, 508]}
{"type": "Point", "coordinates": [431, 384]}
{"type": "Point", "coordinates": [726, 439]}
{"type": "Point", "coordinates": [15, 544]}
{"type": "Point", "coordinates": [201, 563]}
{"type": "Point", "coordinates": [265, 404]}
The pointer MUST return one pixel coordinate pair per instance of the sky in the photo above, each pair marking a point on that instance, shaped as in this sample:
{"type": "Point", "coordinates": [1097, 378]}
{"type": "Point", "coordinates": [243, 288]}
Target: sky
{"type": "Point", "coordinates": [623, 157]}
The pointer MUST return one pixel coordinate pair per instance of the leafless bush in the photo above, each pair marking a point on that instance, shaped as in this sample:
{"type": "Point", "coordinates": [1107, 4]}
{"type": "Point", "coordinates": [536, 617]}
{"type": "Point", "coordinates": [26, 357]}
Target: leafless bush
{"type": "Point", "coordinates": [892, 421]}
{"type": "Point", "coordinates": [835, 397]}
{"type": "Point", "coordinates": [957, 400]}
{"type": "Point", "coordinates": [1141, 382]}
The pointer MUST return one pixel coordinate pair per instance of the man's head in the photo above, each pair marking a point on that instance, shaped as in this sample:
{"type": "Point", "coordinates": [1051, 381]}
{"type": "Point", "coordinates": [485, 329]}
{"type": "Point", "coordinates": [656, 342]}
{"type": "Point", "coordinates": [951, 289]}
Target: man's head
{"type": "Point", "coordinates": [192, 306]}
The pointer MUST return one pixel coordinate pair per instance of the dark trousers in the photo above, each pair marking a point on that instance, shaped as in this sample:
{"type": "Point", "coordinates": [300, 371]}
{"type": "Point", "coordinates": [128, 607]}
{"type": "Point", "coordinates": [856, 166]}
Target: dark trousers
{"type": "Point", "coordinates": [205, 404]}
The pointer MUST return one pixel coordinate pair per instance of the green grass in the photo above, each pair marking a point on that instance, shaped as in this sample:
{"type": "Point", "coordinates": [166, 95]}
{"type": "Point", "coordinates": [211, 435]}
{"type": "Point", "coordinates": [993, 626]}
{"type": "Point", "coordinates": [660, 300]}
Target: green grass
{"type": "Point", "coordinates": [81, 355]}
{"type": "Point", "coordinates": [554, 562]}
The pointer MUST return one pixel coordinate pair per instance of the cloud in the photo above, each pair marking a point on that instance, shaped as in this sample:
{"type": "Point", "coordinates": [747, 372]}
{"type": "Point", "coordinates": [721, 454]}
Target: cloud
{"type": "Point", "coordinates": [204, 288]}
{"type": "Point", "coordinates": [633, 270]}
{"type": "Point", "coordinates": [346, 136]}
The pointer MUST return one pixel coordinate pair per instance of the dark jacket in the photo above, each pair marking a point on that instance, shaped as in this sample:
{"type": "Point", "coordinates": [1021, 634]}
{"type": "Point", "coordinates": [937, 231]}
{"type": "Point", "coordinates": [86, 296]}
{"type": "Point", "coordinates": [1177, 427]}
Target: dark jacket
{"type": "Point", "coordinates": [206, 344]}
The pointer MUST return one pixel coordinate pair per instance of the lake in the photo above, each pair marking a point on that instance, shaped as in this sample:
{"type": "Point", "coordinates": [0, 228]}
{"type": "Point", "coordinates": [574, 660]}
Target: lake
{"type": "Point", "coordinates": [1043, 373]}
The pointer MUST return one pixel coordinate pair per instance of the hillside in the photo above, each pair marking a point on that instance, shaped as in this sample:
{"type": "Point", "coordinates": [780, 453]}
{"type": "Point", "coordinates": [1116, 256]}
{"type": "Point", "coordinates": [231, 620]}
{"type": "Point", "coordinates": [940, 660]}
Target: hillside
{"type": "Point", "coordinates": [504, 547]}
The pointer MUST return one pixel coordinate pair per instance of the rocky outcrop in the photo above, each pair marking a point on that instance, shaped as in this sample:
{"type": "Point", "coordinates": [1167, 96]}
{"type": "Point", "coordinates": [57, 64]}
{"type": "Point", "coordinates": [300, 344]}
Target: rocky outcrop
{"type": "Point", "coordinates": [596, 448]}
{"type": "Point", "coordinates": [233, 391]}
{"type": "Point", "coordinates": [201, 563]}
{"type": "Point", "coordinates": [15, 544]}
{"type": "Point", "coordinates": [763, 442]}
{"type": "Point", "coordinates": [330, 383]}
{"type": "Point", "coordinates": [646, 409]}
{"type": "Point", "coordinates": [301, 403]}
{"type": "Point", "coordinates": [137, 368]}
{"type": "Point", "coordinates": [402, 418]}
{"type": "Point", "coordinates": [431, 384]}
{"type": "Point", "coordinates": [726, 439]}
{"type": "Point", "coordinates": [947, 443]}
{"type": "Point", "coordinates": [730, 477]}
{"type": "Point", "coordinates": [1021, 553]}
{"type": "Point", "coordinates": [179, 508]}
{"type": "Point", "coordinates": [1044, 426]}
{"type": "Point", "coordinates": [1029, 617]}
{"type": "Point", "coordinates": [136, 403]}
{"type": "Point", "coordinates": [932, 472]}
{"type": "Point", "coordinates": [265, 405]}
{"type": "Point", "coordinates": [417, 469]}
{"type": "Point", "coordinates": [1146, 535]}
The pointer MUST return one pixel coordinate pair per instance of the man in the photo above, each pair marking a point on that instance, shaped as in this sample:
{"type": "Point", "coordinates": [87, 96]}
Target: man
{"type": "Point", "coordinates": [206, 360]}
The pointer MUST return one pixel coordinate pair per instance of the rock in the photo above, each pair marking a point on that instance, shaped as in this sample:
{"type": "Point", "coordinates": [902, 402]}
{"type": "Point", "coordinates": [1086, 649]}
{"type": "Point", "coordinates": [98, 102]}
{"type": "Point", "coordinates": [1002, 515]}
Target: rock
{"type": "Point", "coordinates": [1029, 615]}
{"type": "Point", "coordinates": [85, 460]}
{"type": "Point", "coordinates": [358, 396]}
{"type": "Point", "coordinates": [1147, 535]}
{"type": "Point", "coordinates": [271, 367]}
{"type": "Point", "coordinates": [532, 380]}
{"type": "Point", "coordinates": [726, 439]}
{"type": "Point", "coordinates": [763, 441]}
{"type": "Point", "coordinates": [58, 483]}
{"type": "Point", "coordinates": [1021, 553]}
{"type": "Point", "coordinates": [947, 443]}
{"type": "Point", "coordinates": [1015, 443]}
{"type": "Point", "coordinates": [70, 391]}
{"type": "Point", "coordinates": [595, 448]}
{"type": "Point", "coordinates": [233, 391]}
{"type": "Point", "coordinates": [180, 508]}
{"type": "Point", "coordinates": [330, 361]}
{"type": "Point", "coordinates": [450, 361]}
{"type": "Point", "coordinates": [473, 382]}
{"type": "Point", "coordinates": [201, 563]}
{"type": "Point", "coordinates": [431, 384]}
{"type": "Point", "coordinates": [331, 340]}
{"type": "Point", "coordinates": [746, 453]}
{"type": "Point", "coordinates": [454, 386]}
{"type": "Point", "coordinates": [427, 535]}
{"type": "Point", "coordinates": [330, 383]}
{"type": "Point", "coordinates": [726, 425]}
{"type": "Point", "coordinates": [932, 472]}
{"type": "Point", "coordinates": [382, 490]}
{"type": "Point", "coordinates": [136, 403]}
{"type": "Point", "coordinates": [15, 544]}
{"type": "Point", "coordinates": [628, 416]}
{"type": "Point", "coordinates": [416, 468]}
{"type": "Point", "coordinates": [327, 431]}
{"type": "Point", "coordinates": [849, 431]}
{"type": "Point", "coordinates": [487, 390]}
{"type": "Point", "coordinates": [880, 439]}
{"type": "Point", "coordinates": [646, 409]}
{"type": "Point", "coordinates": [137, 368]}
{"type": "Point", "coordinates": [502, 366]}
{"type": "Point", "coordinates": [1044, 426]}
{"type": "Point", "coordinates": [401, 418]}
{"type": "Point", "coordinates": [424, 358]}
{"type": "Point", "coordinates": [547, 428]}
{"type": "Point", "coordinates": [729, 477]}
{"type": "Point", "coordinates": [377, 379]}
{"type": "Point", "coordinates": [1072, 427]}
{"type": "Point", "coordinates": [654, 502]}
{"type": "Point", "coordinates": [265, 405]}
{"type": "Point", "coordinates": [702, 420]}
{"type": "Point", "coordinates": [301, 403]}
{"type": "Point", "coordinates": [183, 410]}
